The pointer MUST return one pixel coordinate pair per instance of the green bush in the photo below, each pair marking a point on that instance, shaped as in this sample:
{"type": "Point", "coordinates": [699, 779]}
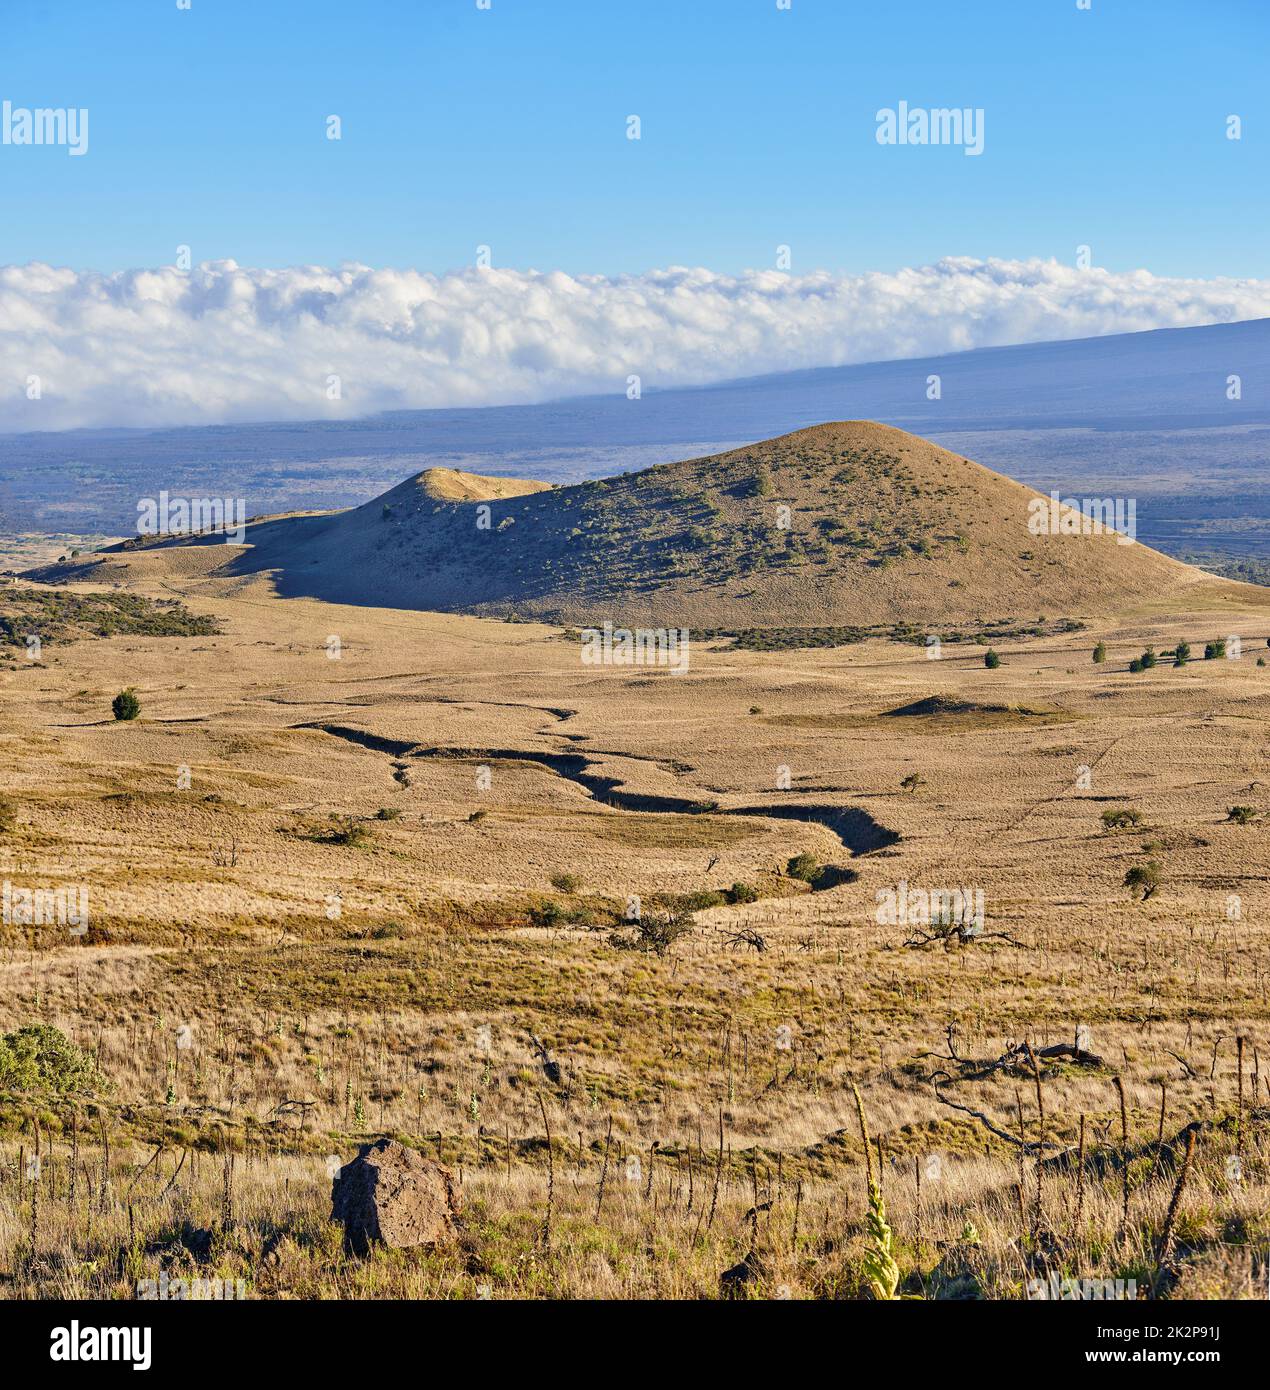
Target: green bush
{"type": "Point", "coordinates": [742, 893]}
{"type": "Point", "coordinates": [698, 901]}
{"type": "Point", "coordinates": [1100, 653]}
{"type": "Point", "coordinates": [125, 705]}
{"type": "Point", "coordinates": [1241, 815]}
{"type": "Point", "coordinates": [567, 883]}
{"type": "Point", "coordinates": [1214, 650]}
{"type": "Point", "coordinates": [549, 914]}
{"type": "Point", "coordinates": [991, 660]}
{"type": "Point", "coordinates": [806, 867]}
{"type": "Point", "coordinates": [1122, 818]}
{"type": "Point", "coordinates": [42, 1058]}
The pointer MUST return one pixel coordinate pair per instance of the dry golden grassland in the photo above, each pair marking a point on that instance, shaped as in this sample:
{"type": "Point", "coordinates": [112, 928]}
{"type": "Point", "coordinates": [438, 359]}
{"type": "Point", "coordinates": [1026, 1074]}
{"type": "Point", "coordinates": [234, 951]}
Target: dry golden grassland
{"type": "Point", "coordinates": [331, 929]}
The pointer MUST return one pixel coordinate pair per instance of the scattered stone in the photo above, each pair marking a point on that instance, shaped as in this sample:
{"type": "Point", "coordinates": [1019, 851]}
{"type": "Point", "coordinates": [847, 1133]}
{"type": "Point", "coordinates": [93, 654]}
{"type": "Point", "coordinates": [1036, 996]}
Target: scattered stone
{"type": "Point", "coordinates": [392, 1195]}
{"type": "Point", "coordinates": [198, 1241]}
{"type": "Point", "coordinates": [736, 1282]}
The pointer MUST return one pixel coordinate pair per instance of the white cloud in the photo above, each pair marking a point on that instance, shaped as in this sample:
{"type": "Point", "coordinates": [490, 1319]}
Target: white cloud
{"type": "Point", "coordinates": [220, 344]}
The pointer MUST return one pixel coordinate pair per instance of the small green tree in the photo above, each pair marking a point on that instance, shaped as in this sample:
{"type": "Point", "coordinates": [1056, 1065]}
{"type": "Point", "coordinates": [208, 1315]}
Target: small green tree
{"type": "Point", "coordinates": [1144, 879]}
{"type": "Point", "coordinates": [125, 705]}
{"type": "Point", "coordinates": [1241, 815]}
{"type": "Point", "coordinates": [1214, 650]}
{"type": "Point", "coordinates": [742, 893]}
{"type": "Point", "coordinates": [912, 781]}
{"type": "Point", "coordinates": [991, 660]}
{"type": "Point", "coordinates": [1148, 659]}
{"type": "Point", "coordinates": [1100, 653]}
{"type": "Point", "coordinates": [1181, 654]}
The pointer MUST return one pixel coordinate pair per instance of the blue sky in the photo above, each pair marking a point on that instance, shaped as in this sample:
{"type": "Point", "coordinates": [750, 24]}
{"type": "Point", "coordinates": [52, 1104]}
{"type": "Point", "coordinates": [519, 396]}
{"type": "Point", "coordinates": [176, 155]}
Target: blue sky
{"type": "Point", "coordinates": [507, 127]}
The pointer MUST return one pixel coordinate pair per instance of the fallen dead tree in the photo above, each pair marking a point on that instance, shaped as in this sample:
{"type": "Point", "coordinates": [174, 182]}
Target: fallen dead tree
{"type": "Point", "coordinates": [1025, 1145]}
{"type": "Point", "coordinates": [1015, 1059]}
{"type": "Point", "coordinates": [951, 936]}
{"type": "Point", "coordinates": [1020, 1060]}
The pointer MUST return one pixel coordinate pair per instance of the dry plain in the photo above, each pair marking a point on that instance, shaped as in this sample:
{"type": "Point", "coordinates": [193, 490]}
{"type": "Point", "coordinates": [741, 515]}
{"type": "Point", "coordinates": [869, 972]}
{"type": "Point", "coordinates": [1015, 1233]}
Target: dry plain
{"type": "Point", "coordinates": [342, 873]}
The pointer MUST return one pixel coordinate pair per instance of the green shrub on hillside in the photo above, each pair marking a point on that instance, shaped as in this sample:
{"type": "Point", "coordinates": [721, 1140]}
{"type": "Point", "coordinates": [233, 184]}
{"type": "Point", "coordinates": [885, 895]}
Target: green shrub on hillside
{"type": "Point", "coordinates": [125, 705]}
{"type": "Point", "coordinates": [806, 867]}
{"type": "Point", "coordinates": [42, 1058]}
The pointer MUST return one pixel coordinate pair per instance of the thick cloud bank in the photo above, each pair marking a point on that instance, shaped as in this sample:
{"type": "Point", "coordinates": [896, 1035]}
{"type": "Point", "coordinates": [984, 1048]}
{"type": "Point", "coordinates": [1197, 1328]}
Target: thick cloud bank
{"type": "Point", "coordinates": [222, 344]}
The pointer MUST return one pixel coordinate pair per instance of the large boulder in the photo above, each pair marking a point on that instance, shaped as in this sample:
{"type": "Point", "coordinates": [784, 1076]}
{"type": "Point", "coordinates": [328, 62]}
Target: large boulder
{"type": "Point", "coordinates": [393, 1195]}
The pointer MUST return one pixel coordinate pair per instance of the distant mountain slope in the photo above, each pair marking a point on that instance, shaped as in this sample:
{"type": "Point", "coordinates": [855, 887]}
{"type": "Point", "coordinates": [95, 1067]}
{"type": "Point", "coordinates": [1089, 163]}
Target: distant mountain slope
{"type": "Point", "coordinates": [1140, 414]}
{"type": "Point", "coordinates": [1170, 378]}
{"type": "Point", "coordinates": [848, 524]}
